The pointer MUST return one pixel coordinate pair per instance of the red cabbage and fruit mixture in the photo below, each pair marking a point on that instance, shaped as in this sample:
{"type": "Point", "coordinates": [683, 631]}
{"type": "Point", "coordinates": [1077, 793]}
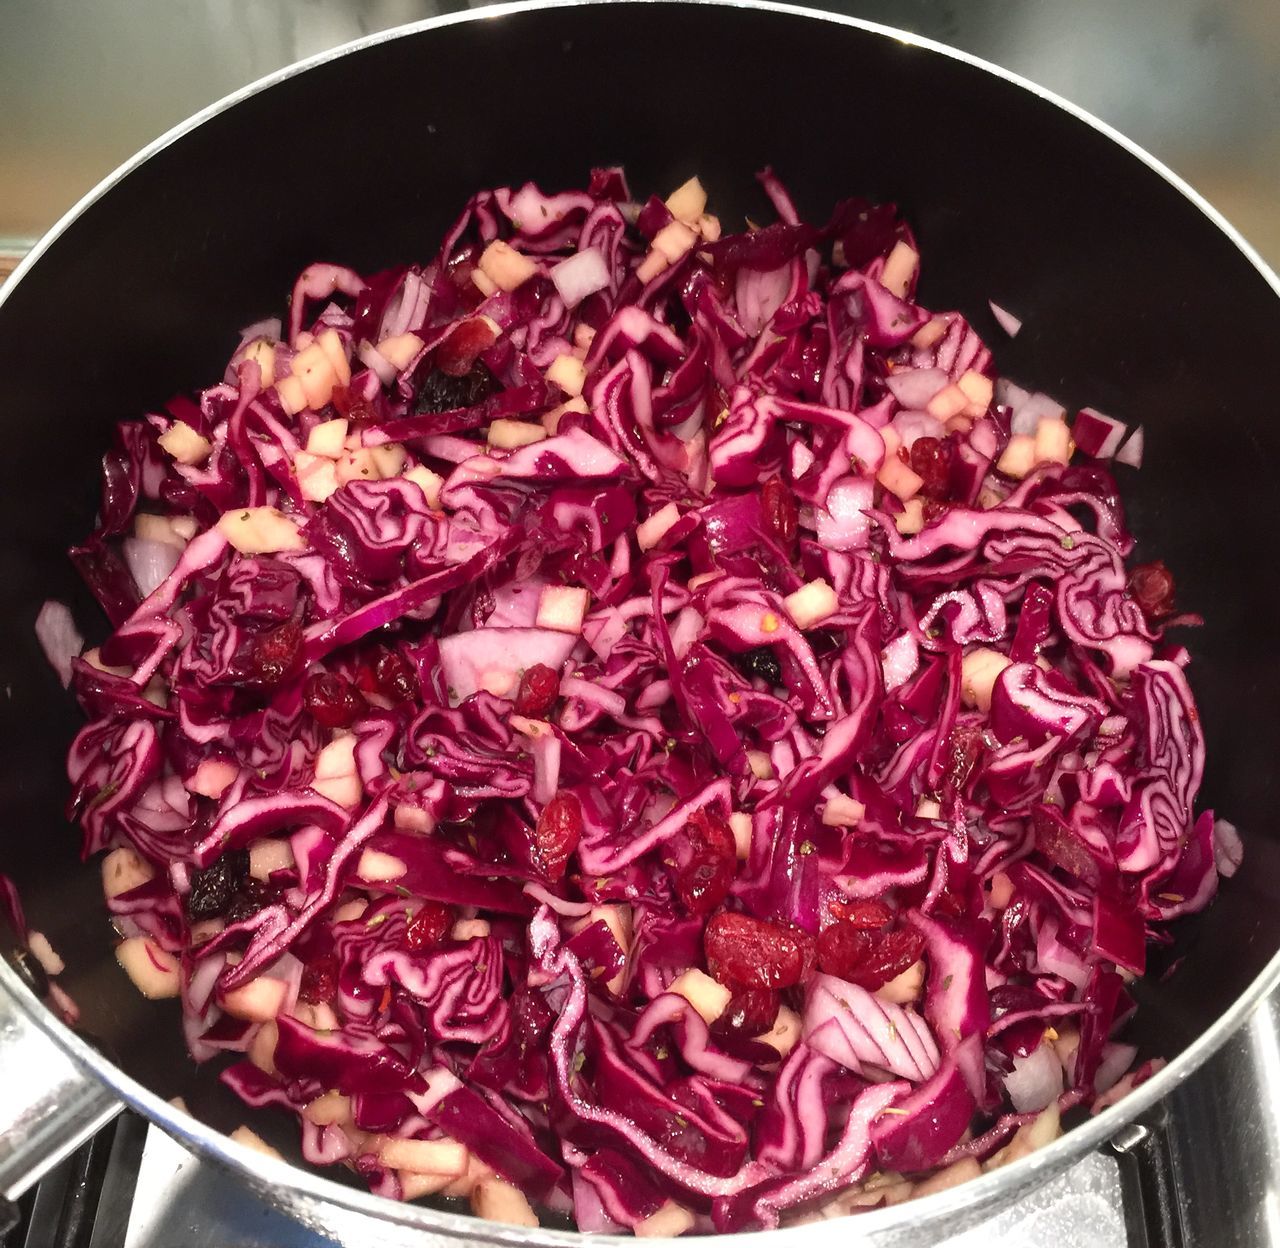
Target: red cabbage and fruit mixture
{"type": "Point", "coordinates": [636, 723]}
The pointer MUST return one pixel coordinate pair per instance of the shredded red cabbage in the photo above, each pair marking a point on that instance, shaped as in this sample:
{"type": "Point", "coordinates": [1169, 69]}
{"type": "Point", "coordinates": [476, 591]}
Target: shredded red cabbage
{"type": "Point", "coordinates": [629, 718]}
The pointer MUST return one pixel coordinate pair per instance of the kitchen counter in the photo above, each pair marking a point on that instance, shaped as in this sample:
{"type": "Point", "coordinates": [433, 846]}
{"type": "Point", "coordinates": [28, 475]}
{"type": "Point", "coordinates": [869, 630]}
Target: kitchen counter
{"type": "Point", "coordinates": [83, 85]}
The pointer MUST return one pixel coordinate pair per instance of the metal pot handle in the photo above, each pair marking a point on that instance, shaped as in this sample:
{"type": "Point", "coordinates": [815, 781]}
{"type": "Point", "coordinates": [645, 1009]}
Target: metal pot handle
{"type": "Point", "coordinates": [49, 1103]}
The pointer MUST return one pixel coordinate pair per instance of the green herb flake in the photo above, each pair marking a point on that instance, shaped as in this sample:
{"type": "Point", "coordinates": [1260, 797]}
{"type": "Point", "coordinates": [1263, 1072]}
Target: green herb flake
{"type": "Point", "coordinates": [377, 920]}
{"type": "Point", "coordinates": [946, 983]}
{"type": "Point", "coordinates": [1068, 542]}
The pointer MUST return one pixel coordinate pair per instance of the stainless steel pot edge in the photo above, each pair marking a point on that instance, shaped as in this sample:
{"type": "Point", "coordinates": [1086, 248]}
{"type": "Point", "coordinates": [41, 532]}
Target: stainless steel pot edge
{"type": "Point", "coordinates": [881, 1227]}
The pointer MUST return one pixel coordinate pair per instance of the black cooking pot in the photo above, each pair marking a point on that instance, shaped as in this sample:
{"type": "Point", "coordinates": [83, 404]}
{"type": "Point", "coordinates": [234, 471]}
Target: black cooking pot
{"type": "Point", "coordinates": [1136, 297]}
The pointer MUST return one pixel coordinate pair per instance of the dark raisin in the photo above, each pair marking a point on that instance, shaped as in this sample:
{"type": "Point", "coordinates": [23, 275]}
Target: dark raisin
{"type": "Point", "coordinates": [761, 662]}
{"type": "Point", "coordinates": [214, 888]}
{"type": "Point", "coordinates": [441, 393]}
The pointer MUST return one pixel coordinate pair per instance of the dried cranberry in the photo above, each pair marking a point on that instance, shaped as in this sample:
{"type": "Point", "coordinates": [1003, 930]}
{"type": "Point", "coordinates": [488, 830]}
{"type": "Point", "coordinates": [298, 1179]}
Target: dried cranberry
{"type": "Point", "coordinates": [276, 653]}
{"type": "Point", "coordinates": [747, 952]}
{"type": "Point", "coordinates": [319, 980]}
{"type": "Point", "coordinates": [556, 835]}
{"type": "Point", "coordinates": [935, 507]}
{"type": "Point", "coordinates": [441, 393]}
{"type": "Point", "coordinates": [867, 916]}
{"type": "Point", "coordinates": [457, 354]}
{"type": "Point", "coordinates": [781, 515]}
{"type": "Point", "coordinates": [431, 923]}
{"type": "Point", "coordinates": [332, 700]}
{"type": "Point", "coordinates": [868, 959]}
{"type": "Point", "coordinates": [393, 676]}
{"type": "Point", "coordinates": [356, 408]}
{"type": "Point", "coordinates": [214, 887]}
{"type": "Point", "coordinates": [963, 750]}
{"type": "Point", "coordinates": [1151, 585]}
{"type": "Point", "coordinates": [539, 688]}
{"type": "Point", "coordinates": [750, 1012]}
{"type": "Point", "coordinates": [704, 881]}
{"type": "Point", "coordinates": [931, 462]}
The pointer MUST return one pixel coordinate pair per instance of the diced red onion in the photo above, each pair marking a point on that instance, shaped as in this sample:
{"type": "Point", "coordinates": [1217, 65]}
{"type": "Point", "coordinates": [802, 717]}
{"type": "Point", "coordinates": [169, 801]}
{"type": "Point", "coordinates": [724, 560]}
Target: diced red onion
{"type": "Point", "coordinates": [1005, 319]}
{"type": "Point", "coordinates": [1131, 452]}
{"type": "Point", "coordinates": [59, 638]}
{"type": "Point", "coordinates": [1097, 435]}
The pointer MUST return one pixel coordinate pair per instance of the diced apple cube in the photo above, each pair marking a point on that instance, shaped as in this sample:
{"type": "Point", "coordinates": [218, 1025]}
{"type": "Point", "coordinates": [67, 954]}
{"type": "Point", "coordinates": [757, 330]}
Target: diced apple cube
{"type": "Point", "coordinates": [470, 929]}
{"type": "Point", "coordinates": [709, 227]}
{"type": "Point", "coordinates": [1053, 441]}
{"type": "Point", "coordinates": [413, 819]}
{"type": "Point", "coordinates": [499, 681]}
{"type": "Point", "coordinates": [212, 777]}
{"type": "Point", "coordinates": [669, 1221]}
{"type": "Point", "coordinates": [929, 333]}
{"type": "Point", "coordinates": [430, 483]}
{"type": "Point", "coordinates": [842, 812]}
{"type": "Point", "coordinates": [315, 375]}
{"type": "Point", "coordinates": [390, 459]}
{"type": "Point", "coordinates": [898, 479]}
{"type": "Point", "coordinates": [262, 1048]}
{"type": "Point", "coordinates": [329, 1109]}
{"type": "Point", "coordinates": [330, 342]}
{"type": "Point", "coordinates": [258, 1001]}
{"type": "Point", "coordinates": [268, 856]}
{"type": "Point", "coordinates": [328, 438]}
{"type": "Point", "coordinates": [1002, 891]}
{"type": "Point", "coordinates": [358, 465]}
{"type": "Point", "coordinates": [979, 390]}
{"type": "Point", "coordinates": [551, 419]}
{"type": "Point", "coordinates": [401, 350]}
{"type": "Point", "coordinates": [336, 776]}
{"type": "Point", "coordinates": [505, 267]}
{"type": "Point", "coordinates": [899, 269]}
{"type": "Point", "coordinates": [674, 240]}
{"type": "Point", "coordinates": [979, 670]}
{"type": "Point", "coordinates": [184, 526]}
{"type": "Point", "coordinates": [910, 520]}
{"type": "Point", "coordinates": [291, 394]}
{"type": "Point", "coordinates": [260, 531]}
{"type": "Point", "coordinates": [705, 994]}
{"type": "Point", "coordinates": [949, 401]}
{"type": "Point", "coordinates": [653, 264]}
{"type": "Point", "coordinates": [507, 434]}
{"type": "Point", "coordinates": [446, 1157]}
{"type": "Point", "coordinates": [651, 531]}
{"type": "Point", "coordinates": [123, 870]}
{"type": "Point", "coordinates": [905, 987]}
{"type": "Point", "coordinates": [740, 826]}
{"type": "Point", "coordinates": [317, 476]}
{"type": "Point", "coordinates": [1019, 456]}
{"type": "Point", "coordinates": [567, 372]}
{"type": "Point", "coordinates": [498, 1201]}
{"type": "Point", "coordinates": [185, 445]}
{"type": "Point", "coordinates": [563, 608]}
{"type": "Point", "coordinates": [761, 764]}
{"type": "Point", "coordinates": [377, 867]}
{"type": "Point", "coordinates": [263, 354]}
{"type": "Point", "coordinates": [928, 808]}
{"type": "Point", "coordinates": [809, 605]}
{"type": "Point", "coordinates": [45, 953]}
{"type": "Point", "coordinates": [251, 1139]}
{"type": "Point", "coordinates": [688, 201]}
{"type": "Point", "coordinates": [153, 971]}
